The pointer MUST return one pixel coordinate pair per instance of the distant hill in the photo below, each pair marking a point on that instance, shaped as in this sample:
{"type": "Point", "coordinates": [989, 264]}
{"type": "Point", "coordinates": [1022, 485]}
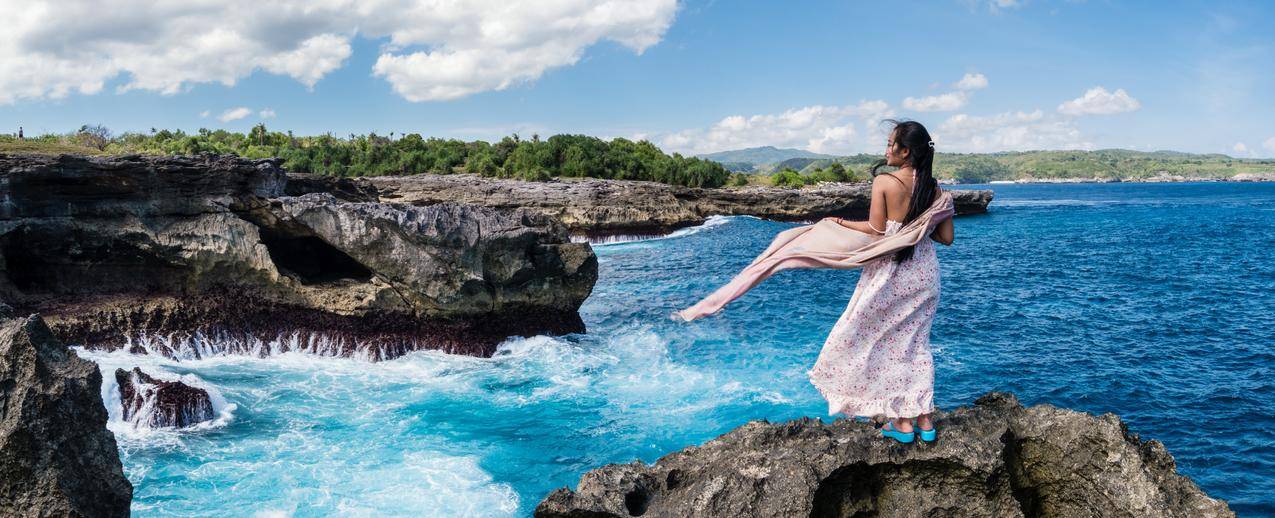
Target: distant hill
{"type": "Point", "coordinates": [756, 156]}
{"type": "Point", "coordinates": [1102, 164]}
{"type": "Point", "coordinates": [1099, 165]}
{"type": "Point", "coordinates": [796, 164]}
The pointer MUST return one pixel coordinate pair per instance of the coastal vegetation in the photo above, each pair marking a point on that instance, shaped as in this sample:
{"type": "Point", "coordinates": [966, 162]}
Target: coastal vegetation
{"type": "Point", "coordinates": [377, 155]}
{"type": "Point", "coordinates": [834, 172]}
{"type": "Point", "coordinates": [623, 159]}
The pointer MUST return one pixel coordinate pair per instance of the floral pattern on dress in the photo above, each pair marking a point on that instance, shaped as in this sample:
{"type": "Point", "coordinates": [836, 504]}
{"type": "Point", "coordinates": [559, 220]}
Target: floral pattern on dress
{"type": "Point", "coordinates": [877, 360]}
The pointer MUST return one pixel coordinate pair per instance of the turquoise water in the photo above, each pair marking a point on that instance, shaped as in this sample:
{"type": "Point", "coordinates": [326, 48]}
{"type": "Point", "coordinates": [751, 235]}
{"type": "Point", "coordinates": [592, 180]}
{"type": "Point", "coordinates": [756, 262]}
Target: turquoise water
{"type": "Point", "coordinates": [1152, 301]}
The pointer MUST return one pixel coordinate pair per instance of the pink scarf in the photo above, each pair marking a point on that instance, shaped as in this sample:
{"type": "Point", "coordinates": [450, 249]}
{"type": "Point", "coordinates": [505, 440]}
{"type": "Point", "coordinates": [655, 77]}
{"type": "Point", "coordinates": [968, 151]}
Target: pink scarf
{"type": "Point", "coordinates": [825, 244]}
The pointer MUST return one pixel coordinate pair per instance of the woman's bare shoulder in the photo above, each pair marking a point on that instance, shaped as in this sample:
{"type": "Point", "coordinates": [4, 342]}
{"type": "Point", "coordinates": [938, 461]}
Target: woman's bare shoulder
{"type": "Point", "coordinates": [887, 182]}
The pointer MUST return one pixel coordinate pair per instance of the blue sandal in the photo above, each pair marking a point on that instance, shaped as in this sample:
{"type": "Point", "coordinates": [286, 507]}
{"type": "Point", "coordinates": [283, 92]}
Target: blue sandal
{"type": "Point", "coordinates": [889, 431]}
{"type": "Point", "coordinates": [928, 435]}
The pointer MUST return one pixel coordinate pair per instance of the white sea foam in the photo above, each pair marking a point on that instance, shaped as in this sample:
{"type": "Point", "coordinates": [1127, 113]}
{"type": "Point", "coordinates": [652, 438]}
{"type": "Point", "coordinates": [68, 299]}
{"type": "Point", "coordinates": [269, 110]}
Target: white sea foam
{"type": "Point", "coordinates": [346, 445]}
{"type": "Point", "coordinates": [330, 435]}
{"type": "Point", "coordinates": [135, 432]}
{"type": "Point", "coordinates": [619, 239]}
{"type": "Point", "coordinates": [201, 345]}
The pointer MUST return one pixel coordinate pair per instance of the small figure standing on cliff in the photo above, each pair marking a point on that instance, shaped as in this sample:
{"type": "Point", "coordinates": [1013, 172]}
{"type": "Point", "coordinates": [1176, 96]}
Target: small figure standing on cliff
{"type": "Point", "coordinates": [877, 361]}
{"type": "Point", "coordinates": [19, 132]}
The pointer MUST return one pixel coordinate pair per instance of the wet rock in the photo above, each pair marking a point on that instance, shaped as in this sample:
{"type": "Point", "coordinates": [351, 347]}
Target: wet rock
{"type": "Point", "coordinates": [995, 458]}
{"type": "Point", "coordinates": [597, 207]}
{"type": "Point", "coordinates": [156, 403]}
{"type": "Point", "coordinates": [187, 256]}
{"type": "Point", "coordinates": [56, 456]}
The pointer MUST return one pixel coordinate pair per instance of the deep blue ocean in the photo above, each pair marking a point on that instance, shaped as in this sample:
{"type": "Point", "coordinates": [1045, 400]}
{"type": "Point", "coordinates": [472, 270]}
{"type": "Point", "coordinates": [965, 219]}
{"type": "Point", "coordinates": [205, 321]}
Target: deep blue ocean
{"type": "Point", "coordinates": [1152, 301]}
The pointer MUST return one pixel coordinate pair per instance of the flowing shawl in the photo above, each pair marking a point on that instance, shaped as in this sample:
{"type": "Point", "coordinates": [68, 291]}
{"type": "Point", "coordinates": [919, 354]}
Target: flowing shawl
{"type": "Point", "coordinates": [825, 244]}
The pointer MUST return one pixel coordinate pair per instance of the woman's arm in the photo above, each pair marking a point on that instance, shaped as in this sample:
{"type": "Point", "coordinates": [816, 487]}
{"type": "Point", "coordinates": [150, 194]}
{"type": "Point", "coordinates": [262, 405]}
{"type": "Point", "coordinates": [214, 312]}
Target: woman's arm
{"type": "Point", "coordinates": [944, 232]}
{"type": "Point", "coordinates": [861, 226]}
{"type": "Point", "coordinates": [875, 225]}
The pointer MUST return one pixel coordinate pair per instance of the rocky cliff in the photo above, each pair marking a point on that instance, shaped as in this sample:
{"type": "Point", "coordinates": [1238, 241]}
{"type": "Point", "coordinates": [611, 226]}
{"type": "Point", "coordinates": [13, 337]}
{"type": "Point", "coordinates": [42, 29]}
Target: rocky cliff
{"type": "Point", "coordinates": [56, 456]}
{"type": "Point", "coordinates": [995, 458]}
{"type": "Point", "coordinates": [597, 207]}
{"type": "Point", "coordinates": [186, 256]}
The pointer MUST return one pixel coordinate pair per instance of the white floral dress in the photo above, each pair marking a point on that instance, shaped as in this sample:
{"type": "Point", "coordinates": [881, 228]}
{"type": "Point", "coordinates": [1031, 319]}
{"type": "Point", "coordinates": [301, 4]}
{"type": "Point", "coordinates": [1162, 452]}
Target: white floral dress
{"type": "Point", "coordinates": [877, 361]}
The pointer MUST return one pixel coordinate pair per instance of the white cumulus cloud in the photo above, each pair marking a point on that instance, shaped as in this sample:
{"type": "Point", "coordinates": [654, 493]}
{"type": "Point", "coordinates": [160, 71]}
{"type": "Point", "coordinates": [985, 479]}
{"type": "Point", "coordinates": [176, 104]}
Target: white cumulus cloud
{"type": "Point", "coordinates": [998, 5]}
{"type": "Point", "coordinates": [473, 50]}
{"type": "Point", "coordinates": [995, 6]}
{"type": "Point", "coordinates": [234, 114]}
{"type": "Point", "coordinates": [1098, 101]}
{"type": "Point", "coordinates": [1009, 131]}
{"type": "Point", "coordinates": [436, 49]}
{"type": "Point", "coordinates": [822, 129]}
{"type": "Point", "coordinates": [950, 101]}
{"type": "Point", "coordinates": [972, 82]}
{"type": "Point", "coordinates": [1269, 144]}
{"type": "Point", "coordinates": [266, 114]}
{"type": "Point", "coordinates": [937, 103]}
{"type": "Point", "coordinates": [1239, 147]}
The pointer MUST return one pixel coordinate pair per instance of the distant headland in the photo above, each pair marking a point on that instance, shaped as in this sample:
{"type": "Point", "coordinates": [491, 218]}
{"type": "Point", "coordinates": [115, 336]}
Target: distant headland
{"type": "Point", "coordinates": [1072, 166]}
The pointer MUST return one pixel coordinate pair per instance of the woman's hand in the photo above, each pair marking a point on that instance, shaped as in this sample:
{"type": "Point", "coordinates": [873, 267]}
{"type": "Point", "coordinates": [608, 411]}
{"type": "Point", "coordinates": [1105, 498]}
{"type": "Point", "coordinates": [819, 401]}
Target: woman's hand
{"type": "Point", "coordinates": [839, 221]}
{"type": "Point", "coordinates": [861, 226]}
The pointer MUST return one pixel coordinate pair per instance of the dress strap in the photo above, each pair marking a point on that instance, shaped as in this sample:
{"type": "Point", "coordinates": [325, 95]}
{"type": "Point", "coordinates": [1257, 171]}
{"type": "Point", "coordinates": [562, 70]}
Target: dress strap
{"type": "Point", "coordinates": [891, 175]}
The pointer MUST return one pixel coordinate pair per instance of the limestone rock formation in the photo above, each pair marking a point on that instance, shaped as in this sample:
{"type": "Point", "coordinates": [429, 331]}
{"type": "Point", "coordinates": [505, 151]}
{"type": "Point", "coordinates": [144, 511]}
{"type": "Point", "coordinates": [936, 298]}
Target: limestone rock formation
{"type": "Point", "coordinates": [56, 456]}
{"type": "Point", "coordinates": [995, 458]}
{"type": "Point", "coordinates": [154, 403]}
{"type": "Point", "coordinates": [208, 254]}
{"type": "Point", "coordinates": [598, 207]}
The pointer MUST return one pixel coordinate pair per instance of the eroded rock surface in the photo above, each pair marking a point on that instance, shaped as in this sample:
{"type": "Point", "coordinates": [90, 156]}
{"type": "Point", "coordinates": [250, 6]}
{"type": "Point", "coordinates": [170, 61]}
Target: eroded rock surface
{"type": "Point", "coordinates": [187, 256]}
{"type": "Point", "coordinates": [56, 456]}
{"type": "Point", "coordinates": [994, 458]}
{"type": "Point", "coordinates": [598, 207]}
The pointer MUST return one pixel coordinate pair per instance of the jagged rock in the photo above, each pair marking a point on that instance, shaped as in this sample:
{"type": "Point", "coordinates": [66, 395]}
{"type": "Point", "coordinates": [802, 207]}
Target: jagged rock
{"type": "Point", "coordinates": [111, 249]}
{"type": "Point", "coordinates": [1254, 177]}
{"type": "Point", "coordinates": [155, 403]}
{"type": "Point", "coordinates": [597, 207]}
{"type": "Point", "coordinates": [994, 458]}
{"type": "Point", "coordinates": [56, 456]}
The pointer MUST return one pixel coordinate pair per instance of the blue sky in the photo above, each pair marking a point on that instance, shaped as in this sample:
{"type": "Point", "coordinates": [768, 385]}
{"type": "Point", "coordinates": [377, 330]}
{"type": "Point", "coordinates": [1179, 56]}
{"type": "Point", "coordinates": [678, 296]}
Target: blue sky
{"type": "Point", "coordinates": [694, 76]}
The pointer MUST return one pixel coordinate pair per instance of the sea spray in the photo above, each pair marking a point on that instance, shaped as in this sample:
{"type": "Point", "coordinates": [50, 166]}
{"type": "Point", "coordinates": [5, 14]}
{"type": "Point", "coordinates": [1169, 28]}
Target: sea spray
{"type": "Point", "coordinates": [138, 430]}
{"type": "Point", "coordinates": [618, 239]}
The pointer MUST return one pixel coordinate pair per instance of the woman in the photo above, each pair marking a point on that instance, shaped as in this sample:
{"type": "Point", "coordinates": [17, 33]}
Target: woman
{"type": "Point", "coordinates": [877, 361]}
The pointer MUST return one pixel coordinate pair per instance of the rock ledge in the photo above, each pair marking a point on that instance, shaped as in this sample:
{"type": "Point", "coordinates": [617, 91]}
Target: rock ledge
{"type": "Point", "coordinates": [187, 256]}
{"type": "Point", "coordinates": [595, 207]}
{"type": "Point", "coordinates": [994, 458]}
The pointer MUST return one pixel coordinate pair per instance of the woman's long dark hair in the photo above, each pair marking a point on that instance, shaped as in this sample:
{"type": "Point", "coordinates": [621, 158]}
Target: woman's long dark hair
{"type": "Point", "coordinates": [912, 136]}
